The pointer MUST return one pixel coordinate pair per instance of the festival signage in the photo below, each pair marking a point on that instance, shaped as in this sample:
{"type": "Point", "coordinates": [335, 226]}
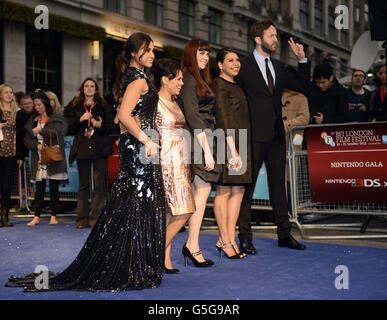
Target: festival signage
{"type": "Point", "coordinates": [348, 163]}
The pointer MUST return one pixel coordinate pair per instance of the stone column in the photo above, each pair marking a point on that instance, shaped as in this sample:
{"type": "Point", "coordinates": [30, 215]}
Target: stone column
{"type": "Point", "coordinates": [171, 15]}
{"type": "Point", "coordinates": [311, 14]}
{"type": "Point", "coordinates": [15, 55]}
{"type": "Point", "coordinates": [135, 9]}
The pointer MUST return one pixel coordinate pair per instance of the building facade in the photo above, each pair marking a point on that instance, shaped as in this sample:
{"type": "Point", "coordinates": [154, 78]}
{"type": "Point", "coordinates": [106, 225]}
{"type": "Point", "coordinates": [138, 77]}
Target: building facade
{"type": "Point", "coordinates": [85, 37]}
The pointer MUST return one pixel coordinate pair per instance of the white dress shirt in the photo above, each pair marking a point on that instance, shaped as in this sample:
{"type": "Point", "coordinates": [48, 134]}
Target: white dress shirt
{"type": "Point", "coordinates": [262, 65]}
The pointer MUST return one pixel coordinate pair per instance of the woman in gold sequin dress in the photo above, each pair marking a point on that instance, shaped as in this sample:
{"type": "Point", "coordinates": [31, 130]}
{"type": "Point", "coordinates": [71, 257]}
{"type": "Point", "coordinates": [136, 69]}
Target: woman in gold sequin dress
{"type": "Point", "coordinates": [175, 151]}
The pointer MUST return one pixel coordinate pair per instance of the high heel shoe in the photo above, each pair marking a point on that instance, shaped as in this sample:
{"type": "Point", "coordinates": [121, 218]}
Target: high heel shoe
{"type": "Point", "coordinates": [171, 271]}
{"type": "Point", "coordinates": [187, 254]}
{"type": "Point", "coordinates": [234, 244]}
{"type": "Point", "coordinates": [225, 245]}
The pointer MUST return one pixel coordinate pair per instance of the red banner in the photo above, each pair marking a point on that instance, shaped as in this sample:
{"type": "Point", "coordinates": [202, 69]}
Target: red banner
{"type": "Point", "coordinates": [348, 163]}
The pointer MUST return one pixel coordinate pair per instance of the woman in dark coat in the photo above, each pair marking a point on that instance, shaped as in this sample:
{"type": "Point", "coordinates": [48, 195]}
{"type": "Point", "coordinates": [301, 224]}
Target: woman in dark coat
{"type": "Point", "coordinates": [232, 116]}
{"type": "Point", "coordinates": [90, 122]}
{"type": "Point", "coordinates": [43, 123]}
{"type": "Point", "coordinates": [198, 100]}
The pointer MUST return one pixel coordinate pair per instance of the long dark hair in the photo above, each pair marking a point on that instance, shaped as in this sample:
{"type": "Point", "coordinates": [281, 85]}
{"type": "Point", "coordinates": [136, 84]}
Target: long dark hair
{"type": "Point", "coordinates": [132, 45]}
{"type": "Point", "coordinates": [80, 98]}
{"type": "Point", "coordinates": [46, 102]}
{"type": "Point", "coordinates": [189, 61]}
{"type": "Point", "coordinates": [121, 65]}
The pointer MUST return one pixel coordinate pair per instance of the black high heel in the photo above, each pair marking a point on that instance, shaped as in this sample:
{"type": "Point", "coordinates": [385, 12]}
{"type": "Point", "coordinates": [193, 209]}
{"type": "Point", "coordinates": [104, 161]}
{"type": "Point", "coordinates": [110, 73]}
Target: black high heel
{"type": "Point", "coordinates": [225, 245]}
{"type": "Point", "coordinates": [171, 271]}
{"type": "Point", "coordinates": [187, 254]}
{"type": "Point", "coordinates": [242, 254]}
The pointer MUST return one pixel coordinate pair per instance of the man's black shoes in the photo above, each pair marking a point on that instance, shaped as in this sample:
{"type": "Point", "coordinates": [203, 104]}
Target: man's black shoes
{"type": "Point", "coordinates": [291, 243]}
{"type": "Point", "coordinates": [247, 247]}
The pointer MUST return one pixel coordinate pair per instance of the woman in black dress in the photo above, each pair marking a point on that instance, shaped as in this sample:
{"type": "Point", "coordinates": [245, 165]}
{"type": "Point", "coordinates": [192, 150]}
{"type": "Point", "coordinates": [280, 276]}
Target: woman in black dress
{"type": "Point", "coordinates": [199, 100]}
{"type": "Point", "coordinates": [125, 249]}
{"type": "Point", "coordinates": [232, 116]}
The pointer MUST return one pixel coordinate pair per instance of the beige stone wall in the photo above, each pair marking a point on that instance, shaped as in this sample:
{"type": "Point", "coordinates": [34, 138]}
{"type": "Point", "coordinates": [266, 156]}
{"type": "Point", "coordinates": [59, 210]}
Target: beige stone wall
{"type": "Point", "coordinates": [14, 55]}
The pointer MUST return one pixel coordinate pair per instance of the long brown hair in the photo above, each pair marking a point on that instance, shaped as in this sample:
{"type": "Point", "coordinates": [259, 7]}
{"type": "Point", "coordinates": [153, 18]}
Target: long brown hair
{"type": "Point", "coordinates": [80, 98]}
{"type": "Point", "coordinates": [189, 61]}
{"type": "Point", "coordinates": [121, 65]}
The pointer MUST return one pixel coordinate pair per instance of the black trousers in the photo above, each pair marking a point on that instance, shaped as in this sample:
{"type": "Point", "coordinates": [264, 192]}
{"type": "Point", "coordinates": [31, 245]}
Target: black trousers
{"type": "Point", "coordinates": [54, 196]}
{"type": "Point", "coordinates": [273, 153]}
{"type": "Point", "coordinates": [97, 196]}
{"type": "Point", "coordinates": [7, 170]}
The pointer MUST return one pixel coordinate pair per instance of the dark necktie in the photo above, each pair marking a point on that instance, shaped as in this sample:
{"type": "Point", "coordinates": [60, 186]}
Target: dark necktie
{"type": "Point", "coordinates": [270, 81]}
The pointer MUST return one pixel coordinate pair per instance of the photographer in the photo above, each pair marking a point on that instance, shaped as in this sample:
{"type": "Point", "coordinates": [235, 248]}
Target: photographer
{"type": "Point", "coordinates": [328, 100]}
{"type": "Point", "coordinates": [359, 97]}
{"type": "Point", "coordinates": [90, 121]}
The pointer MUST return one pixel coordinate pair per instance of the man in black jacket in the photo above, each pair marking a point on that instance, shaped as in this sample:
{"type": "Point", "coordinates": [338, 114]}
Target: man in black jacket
{"type": "Point", "coordinates": [328, 100]}
{"type": "Point", "coordinates": [22, 117]}
{"type": "Point", "coordinates": [263, 79]}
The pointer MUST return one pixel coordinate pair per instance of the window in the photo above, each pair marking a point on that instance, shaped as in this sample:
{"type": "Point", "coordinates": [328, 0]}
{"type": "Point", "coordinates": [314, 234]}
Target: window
{"type": "Point", "coordinates": [44, 60]}
{"type": "Point", "coordinates": [214, 25]}
{"type": "Point", "coordinates": [343, 68]}
{"type": "Point", "coordinates": [153, 11]}
{"type": "Point", "coordinates": [318, 17]}
{"type": "Point", "coordinates": [115, 5]}
{"type": "Point", "coordinates": [317, 57]}
{"type": "Point", "coordinates": [304, 14]}
{"type": "Point", "coordinates": [111, 50]}
{"type": "Point", "coordinates": [186, 17]}
{"type": "Point", "coordinates": [366, 13]}
{"type": "Point", "coordinates": [284, 52]}
{"type": "Point", "coordinates": [331, 21]}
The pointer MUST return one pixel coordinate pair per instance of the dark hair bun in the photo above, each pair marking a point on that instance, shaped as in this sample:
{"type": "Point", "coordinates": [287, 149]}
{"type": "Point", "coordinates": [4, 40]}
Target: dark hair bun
{"type": "Point", "coordinates": [164, 68]}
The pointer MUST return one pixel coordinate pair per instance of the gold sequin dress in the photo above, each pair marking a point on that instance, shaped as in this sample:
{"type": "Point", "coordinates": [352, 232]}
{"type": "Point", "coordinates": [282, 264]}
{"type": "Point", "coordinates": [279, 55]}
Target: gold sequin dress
{"type": "Point", "coordinates": [175, 158]}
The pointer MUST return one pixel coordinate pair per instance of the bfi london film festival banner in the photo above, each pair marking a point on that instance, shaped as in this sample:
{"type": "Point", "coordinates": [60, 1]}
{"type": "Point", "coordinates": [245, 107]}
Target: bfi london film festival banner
{"type": "Point", "coordinates": [348, 163]}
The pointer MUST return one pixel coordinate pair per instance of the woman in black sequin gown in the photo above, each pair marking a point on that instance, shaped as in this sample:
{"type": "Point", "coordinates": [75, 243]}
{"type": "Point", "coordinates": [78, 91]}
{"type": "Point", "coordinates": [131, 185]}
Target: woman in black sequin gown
{"type": "Point", "coordinates": [125, 249]}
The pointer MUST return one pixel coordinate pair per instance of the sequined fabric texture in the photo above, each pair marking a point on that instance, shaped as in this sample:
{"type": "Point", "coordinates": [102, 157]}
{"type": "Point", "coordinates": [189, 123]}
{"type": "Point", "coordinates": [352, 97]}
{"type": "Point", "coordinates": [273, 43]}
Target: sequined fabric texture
{"type": "Point", "coordinates": [174, 158]}
{"type": "Point", "coordinates": [125, 249]}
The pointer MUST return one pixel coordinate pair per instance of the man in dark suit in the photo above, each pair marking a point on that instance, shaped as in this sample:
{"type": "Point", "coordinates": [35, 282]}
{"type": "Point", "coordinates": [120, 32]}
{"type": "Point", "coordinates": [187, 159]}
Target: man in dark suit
{"type": "Point", "coordinates": [263, 79]}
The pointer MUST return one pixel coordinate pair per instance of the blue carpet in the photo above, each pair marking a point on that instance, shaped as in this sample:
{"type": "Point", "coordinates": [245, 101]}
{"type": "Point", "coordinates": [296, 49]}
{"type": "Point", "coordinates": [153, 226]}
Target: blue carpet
{"type": "Point", "coordinates": [274, 273]}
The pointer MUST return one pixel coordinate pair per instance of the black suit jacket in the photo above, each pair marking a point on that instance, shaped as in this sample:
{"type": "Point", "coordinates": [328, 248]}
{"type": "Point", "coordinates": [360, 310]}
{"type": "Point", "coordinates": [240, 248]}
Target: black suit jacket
{"type": "Point", "coordinates": [264, 122]}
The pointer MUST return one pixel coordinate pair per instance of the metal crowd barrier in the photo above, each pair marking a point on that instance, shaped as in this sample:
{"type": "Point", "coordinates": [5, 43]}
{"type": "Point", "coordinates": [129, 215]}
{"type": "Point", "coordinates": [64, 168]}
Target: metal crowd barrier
{"type": "Point", "coordinates": [27, 191]}
{"type": "Point", "coordinates": [302, 206]}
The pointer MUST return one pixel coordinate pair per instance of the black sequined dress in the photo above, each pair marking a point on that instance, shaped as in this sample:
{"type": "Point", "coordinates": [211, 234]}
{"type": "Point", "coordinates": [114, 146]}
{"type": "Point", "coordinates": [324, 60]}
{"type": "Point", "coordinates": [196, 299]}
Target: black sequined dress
{"type": "Point", "coordinates": [125, 249]}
